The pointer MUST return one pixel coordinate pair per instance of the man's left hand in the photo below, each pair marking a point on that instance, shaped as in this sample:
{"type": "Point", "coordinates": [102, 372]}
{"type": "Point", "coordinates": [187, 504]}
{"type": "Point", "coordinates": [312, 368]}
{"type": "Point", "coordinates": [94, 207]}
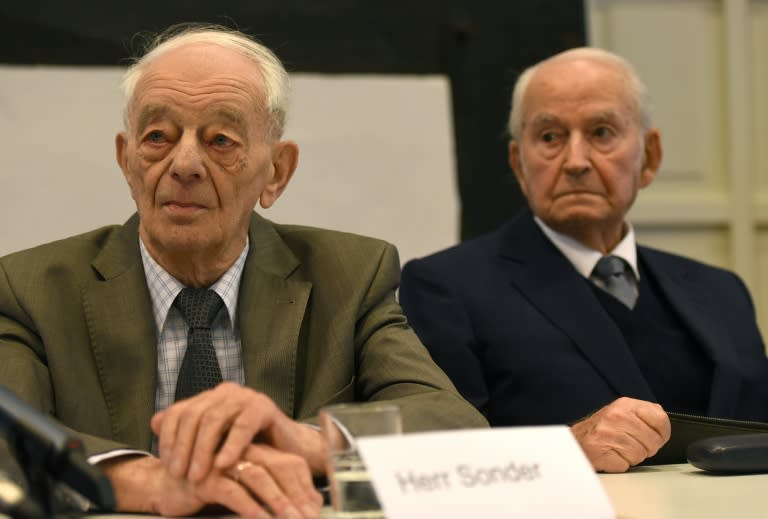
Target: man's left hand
{"type": "Point", "coordinates": [216, 429]}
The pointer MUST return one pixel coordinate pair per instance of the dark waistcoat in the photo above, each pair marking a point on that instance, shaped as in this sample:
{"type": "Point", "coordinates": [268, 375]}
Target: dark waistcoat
{"type": "Point", "coordinates": [677, 368]}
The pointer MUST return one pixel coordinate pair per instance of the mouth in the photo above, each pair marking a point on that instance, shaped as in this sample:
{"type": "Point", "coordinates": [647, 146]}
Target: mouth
{"type": "Point", "coordinates": [577, 192]}
{"type": "Point", "coordinates": [182, 209]}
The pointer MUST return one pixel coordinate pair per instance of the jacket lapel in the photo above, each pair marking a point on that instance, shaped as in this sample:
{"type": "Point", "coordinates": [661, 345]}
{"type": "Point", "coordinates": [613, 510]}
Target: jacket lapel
{"type": "Point", "coordinates": [270, 311]}
{"type": "Point", "coordinates": [124, 339]}
{"type": "Point", "coordinates": [123, 336]}
{"type": "Point", "coordinates": [547, 279]}
{"type": "Point", "coordinates": [684, 292]}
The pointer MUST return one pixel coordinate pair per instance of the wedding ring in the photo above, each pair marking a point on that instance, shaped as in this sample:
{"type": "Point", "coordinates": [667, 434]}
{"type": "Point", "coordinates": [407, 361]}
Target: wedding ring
{"type": "Point", "coordinates": [239, 468]}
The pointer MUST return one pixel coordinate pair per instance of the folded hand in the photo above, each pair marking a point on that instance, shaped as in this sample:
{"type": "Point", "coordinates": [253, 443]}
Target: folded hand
{"type": "Point", "coordinates": [622, 434]}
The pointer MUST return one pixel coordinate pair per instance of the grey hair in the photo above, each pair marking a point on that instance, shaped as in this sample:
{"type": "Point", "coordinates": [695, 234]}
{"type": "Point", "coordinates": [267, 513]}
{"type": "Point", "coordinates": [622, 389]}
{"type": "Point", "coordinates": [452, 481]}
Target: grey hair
{"type": "Point", "coordinates": [637, 90]}
{"type": "Point", "coordinates": [275, 77]}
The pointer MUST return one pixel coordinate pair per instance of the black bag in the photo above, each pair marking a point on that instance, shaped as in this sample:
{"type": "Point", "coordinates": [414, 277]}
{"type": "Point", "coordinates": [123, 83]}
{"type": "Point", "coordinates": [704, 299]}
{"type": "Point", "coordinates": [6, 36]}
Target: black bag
{"type": "Point", "coordinates": [688, 429]}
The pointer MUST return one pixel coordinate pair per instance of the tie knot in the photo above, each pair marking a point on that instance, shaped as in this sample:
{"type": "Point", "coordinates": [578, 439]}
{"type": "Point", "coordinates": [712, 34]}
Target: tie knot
{"type": "Point", "coordinates": [199, 306]}
{"type": "Point", "coordinates": [608, 267]}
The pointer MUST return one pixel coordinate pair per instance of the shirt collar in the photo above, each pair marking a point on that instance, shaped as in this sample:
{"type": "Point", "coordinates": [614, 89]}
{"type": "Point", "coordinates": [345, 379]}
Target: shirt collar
{"type": "Point", "coordinates": [584, 258]}
{"type": "Point", "coordinates": [163, 287]}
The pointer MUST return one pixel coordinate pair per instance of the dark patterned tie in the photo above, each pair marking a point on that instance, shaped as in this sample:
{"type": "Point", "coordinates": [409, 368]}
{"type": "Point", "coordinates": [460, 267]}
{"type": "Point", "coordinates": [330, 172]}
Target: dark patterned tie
{"type": "Point", "coordinates": [200, 368]}
{"type": "Point", "coordinates": [615, 275]}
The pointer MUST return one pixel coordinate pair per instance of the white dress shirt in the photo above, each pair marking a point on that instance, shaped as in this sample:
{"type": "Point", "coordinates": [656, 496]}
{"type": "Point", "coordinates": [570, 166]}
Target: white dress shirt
{"type": "Point", "coordinates": [172, 328]}
{"type": "Point", "coordinates": [172, 333]}
{"type": "Point", "coordinates": [584, 258]}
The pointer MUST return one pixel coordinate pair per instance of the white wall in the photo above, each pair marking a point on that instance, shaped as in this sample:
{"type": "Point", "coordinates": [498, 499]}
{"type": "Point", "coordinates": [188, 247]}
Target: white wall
{"type": "Point", "coordinates": [704, 62]}
{"type": "Point", "coordinates": [376, 157]}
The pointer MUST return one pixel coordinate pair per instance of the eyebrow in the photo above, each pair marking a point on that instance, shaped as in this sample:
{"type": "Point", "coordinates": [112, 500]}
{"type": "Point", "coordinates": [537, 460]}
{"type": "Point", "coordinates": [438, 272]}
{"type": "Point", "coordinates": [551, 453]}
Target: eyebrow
{"type": "Point", "coordinates": [234, 117]}
{"type": "Point", "coordinates": [546, 119]}
{"type": "Point", "coordinates": [543, 120]}
{"type": "Point", "coordinates": [148, 114]}
{"type": "Point", "coordinates": [151, 113]}
{"type": "Point", "coordinates": [606, 115]}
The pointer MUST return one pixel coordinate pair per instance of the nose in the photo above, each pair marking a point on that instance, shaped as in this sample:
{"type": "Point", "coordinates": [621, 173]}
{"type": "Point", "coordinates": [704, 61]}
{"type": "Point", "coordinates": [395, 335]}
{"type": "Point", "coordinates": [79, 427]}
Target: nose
{"type": "Point", "coordinates": [577, 158]}
{"type": "Point", "coordinates": [188, 162]}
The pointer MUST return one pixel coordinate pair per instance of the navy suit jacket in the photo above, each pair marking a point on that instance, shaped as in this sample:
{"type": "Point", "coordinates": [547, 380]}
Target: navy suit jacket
{"type": "Point", "coordinates": [524, 338]}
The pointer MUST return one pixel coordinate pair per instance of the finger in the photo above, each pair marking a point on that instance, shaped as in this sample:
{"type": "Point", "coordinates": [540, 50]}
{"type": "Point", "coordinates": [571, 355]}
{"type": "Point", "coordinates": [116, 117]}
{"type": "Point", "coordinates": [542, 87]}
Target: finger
{"type": "Point", "coordinates": [648, 426]}
{"type": "Point", "coordinates": [611, 461]}
{"type": "Point", "coordinates": [644, 432]}
{"type": "Point", "coordinates": [646, 437]}
{"type": "Point", "coordinates": [156, 423]}
{"type": "Point", "coordinates": [657, 419]}
{"type": "Point", "coordinates": [292, 474]}
{"type": "Point", "coordinates": [634, 448]}
{"type": "Point", "coordinates": [304, 490]}
{"type": "Point", "coordinates": [180, 445]}
{"type": "Point", "coordinates": [233, 417]}
{"type": "Point", "coordinates": [257, 415]}
{"type": "Point", "coordinates": [178, 436]}
{"type": "Point", "coordinates": [214, 423]}
{"type": "Point", "coordinates": [261, 484]}
{"type": "Point", "coordinates": [220, 489]}
{"type": "Point", "coordinates": [166, 434]}
{"type": "Point", "coordinates": [606, 439]}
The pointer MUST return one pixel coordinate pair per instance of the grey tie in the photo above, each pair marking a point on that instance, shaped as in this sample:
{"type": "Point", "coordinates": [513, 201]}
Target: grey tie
{"type": "Point", "coordinates": [616, 277]}
{"type": "Point", "coordinates": [200, 368]}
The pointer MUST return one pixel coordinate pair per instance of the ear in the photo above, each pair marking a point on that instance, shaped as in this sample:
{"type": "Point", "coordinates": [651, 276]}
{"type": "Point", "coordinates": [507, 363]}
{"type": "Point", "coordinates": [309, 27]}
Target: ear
{"type": "Point", "coordinates": [652, 157]}
{"type": "Point", "coordinates": [285, 158]}
{"type": "Point", "coordinates": [516, 163]}
{"type": "Point", "coordinates": [121, 154]}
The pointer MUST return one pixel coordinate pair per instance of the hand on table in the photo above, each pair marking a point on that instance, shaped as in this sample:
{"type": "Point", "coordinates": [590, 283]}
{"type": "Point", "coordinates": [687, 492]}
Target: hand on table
{"type": "Point", "coordinates": [219, 429]}
{"type": "Point", "coordinates": [143, 484]}
{"type": "Point", "coordinates": [622, 434]}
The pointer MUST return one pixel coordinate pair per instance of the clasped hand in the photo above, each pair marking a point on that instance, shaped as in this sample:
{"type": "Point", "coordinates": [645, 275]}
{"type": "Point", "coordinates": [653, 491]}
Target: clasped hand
{"type": "Point", "coordinates": [232, 446]}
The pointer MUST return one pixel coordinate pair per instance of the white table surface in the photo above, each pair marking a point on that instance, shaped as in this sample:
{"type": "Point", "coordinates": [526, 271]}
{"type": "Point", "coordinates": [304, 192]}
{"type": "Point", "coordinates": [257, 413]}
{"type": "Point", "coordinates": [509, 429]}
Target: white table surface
{"type": "Point", "coordinates": [682, 491]}
{"type": "Point", "coordinates": [661, 492]}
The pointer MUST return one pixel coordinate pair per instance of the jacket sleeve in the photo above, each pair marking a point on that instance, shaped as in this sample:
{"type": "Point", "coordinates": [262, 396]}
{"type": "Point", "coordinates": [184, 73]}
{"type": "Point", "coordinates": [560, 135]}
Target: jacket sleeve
{"type": "Point", "coordinates": [438, 314]}
{"type": "Point", "coordinates": [23, 357]}
{"type": "Point", "coordinates": [394, 365]}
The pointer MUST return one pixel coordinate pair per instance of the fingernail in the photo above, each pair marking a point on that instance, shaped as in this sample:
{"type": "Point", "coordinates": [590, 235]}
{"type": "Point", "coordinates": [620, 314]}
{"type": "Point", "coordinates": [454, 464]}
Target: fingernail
{"type": "Point", "coordinates": [310, 511]}
{"type": "Point", "coordinates": [291, 513]}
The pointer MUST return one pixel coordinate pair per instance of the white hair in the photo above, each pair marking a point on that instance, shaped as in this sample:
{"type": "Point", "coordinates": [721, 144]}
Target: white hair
{"type": "Point", "coordinates": [274, 75]}
{"type": "Point", "coordinates": [638, 93]}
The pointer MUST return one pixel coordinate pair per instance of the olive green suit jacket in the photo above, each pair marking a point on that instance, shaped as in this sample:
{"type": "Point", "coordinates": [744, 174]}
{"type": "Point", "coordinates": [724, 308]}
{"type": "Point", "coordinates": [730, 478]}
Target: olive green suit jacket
{"type": "Point", "coordinates": [318, 320]}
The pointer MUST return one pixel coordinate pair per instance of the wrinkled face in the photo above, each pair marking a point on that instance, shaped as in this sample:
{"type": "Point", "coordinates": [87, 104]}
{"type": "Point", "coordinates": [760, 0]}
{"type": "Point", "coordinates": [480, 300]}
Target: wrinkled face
{"type": "Point", "coordinates": [582, 154]}
{"type": "Point", "coordinates": [197, 154]}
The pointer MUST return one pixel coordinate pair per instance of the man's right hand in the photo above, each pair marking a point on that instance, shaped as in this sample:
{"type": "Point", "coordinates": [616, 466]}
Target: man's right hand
{"type": "Point", "coordinates": [143, 484]}
{"type": "Point", "coordinates": [622, 434]}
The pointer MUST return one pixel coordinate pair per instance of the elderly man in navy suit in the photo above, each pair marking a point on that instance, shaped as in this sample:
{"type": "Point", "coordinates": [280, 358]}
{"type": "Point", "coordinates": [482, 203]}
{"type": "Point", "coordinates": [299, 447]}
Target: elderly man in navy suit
{"type": "Point", "coordinates": [559, 316]}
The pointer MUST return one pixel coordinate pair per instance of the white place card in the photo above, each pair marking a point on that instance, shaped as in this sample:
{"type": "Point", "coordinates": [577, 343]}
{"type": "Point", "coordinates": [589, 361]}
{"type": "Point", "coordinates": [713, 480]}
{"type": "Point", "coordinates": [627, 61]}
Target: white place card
{"type": "Point", "coordinates": [484, 473]}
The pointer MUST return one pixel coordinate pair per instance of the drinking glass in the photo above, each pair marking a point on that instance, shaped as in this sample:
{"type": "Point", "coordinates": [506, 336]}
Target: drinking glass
{"type": "Point", "coordinates": [352, 495]}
